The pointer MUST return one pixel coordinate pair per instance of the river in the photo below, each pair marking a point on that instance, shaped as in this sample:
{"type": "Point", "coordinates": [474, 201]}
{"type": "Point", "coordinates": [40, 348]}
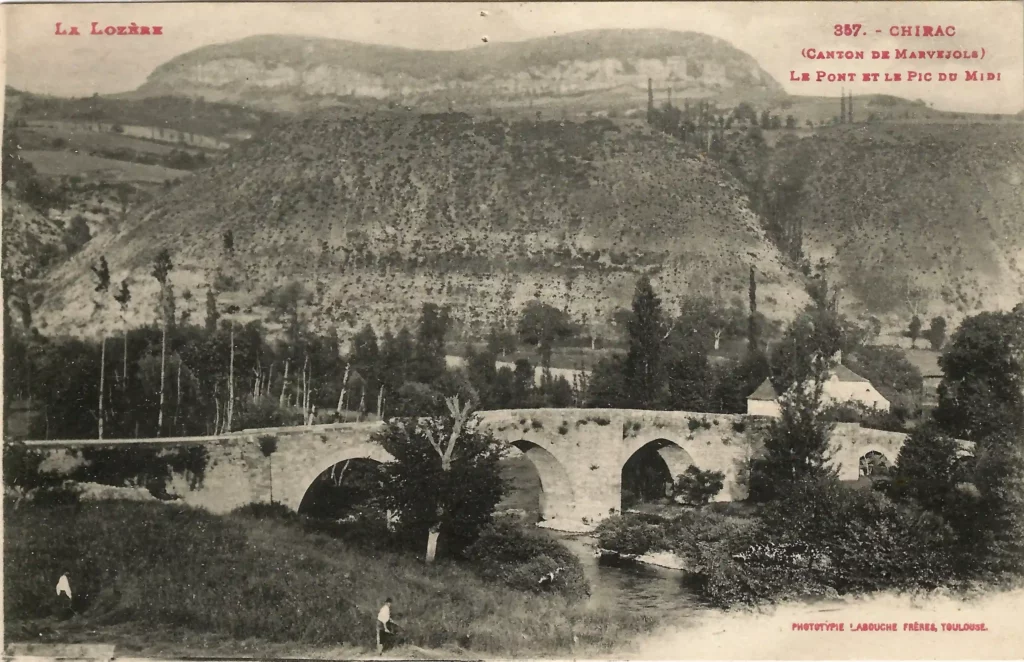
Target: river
{"type": "Point", "coordinates": [630, 586]}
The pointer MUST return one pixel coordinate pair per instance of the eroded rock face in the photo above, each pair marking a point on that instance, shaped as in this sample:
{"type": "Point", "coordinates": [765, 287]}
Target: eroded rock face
{"type": "Point", "coordinates": [619, 62]}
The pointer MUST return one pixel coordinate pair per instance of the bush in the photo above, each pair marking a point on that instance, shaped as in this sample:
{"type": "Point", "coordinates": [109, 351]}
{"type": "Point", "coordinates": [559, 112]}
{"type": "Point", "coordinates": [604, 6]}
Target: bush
{"type": "Point", "coordinates": [871, 542]}
{"type": "Point", "coordinates": [698, 487]}
{"type": "Point", "coordinates": [508, 552]}
{"type": "Point", "coordinates": [705, 527]}
{"type": "Point", "coordinates": [628, 534]}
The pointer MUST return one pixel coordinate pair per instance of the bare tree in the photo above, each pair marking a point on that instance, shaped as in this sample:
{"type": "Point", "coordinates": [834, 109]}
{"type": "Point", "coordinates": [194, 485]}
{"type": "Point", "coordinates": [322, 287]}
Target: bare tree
{"type": "Point", "coordinates": [459, 416]}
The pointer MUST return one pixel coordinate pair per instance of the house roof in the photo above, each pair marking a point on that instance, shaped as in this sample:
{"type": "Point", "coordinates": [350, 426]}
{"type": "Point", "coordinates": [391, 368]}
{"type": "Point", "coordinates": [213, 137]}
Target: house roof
{"type": "Point", "coordinates": [844, 374]}
{"type": "Point", "coordinates": [841, 373]}
{"type": "Point", "coordinates": [764, 392]}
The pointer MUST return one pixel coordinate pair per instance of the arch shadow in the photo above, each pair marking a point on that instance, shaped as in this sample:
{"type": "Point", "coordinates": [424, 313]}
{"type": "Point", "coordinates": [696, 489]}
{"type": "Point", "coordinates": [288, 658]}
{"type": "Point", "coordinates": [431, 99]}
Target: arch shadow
{"type": "Point", "coordinates": [557, 497]}
{"type": "Point", "coordinates": [674, 460]}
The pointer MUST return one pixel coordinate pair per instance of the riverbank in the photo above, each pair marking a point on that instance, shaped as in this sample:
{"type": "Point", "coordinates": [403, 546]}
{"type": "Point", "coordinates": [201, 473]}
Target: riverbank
{"type": "Point", "coordinates": [163, 580]}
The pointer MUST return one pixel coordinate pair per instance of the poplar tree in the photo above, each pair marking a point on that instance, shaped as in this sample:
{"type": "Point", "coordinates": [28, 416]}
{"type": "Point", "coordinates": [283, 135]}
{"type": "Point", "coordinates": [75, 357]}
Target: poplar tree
{"type": "Point", "coordinates": [644, 372]}
{"type": "Point", "coordinates": [161, 271]}
{"type": "Point", "coordinates": [102, 288]}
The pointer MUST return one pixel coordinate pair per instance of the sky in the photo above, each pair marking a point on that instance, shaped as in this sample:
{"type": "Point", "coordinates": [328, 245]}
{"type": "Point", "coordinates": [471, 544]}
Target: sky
{"type": "Point", "coordinates": [772, 32]}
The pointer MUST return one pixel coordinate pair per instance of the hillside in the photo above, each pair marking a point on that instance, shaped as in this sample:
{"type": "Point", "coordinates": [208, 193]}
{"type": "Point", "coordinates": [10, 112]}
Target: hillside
{"type": "Point", "coordinates": [375, 214]}
{"type": "Point", "coordinates": [602, 68]}
{"type": "Point", "coordinates": [925, 218]}
{"type": "Point", "coordinates": [30, 240]}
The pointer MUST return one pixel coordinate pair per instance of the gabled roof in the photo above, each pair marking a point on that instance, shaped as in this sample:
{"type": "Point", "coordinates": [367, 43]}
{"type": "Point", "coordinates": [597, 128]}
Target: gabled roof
{"type": "Point", "coordinates": [844, 374]}
{"type": "Point", "coordinates": [764, 392]}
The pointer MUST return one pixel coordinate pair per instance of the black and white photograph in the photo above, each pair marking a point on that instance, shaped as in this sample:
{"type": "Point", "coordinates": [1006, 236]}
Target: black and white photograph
{"type": "Point", "coordinates": [514, 330]}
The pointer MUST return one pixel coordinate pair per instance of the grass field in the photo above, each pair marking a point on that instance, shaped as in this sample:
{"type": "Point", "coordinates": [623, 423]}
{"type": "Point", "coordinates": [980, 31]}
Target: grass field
{"type": "Point", "coordinates": [160, 579]}
{"type": "Point", "coordinates": [68, 164]}
{"type": "Point", "coordinates": [41, 136]}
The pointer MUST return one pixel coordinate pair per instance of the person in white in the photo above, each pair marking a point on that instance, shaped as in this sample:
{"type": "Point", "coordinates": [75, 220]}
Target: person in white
{"type": "Point", "coordinates": [383, 618]}
{"type": "Point", "coordinates": [64, 586]}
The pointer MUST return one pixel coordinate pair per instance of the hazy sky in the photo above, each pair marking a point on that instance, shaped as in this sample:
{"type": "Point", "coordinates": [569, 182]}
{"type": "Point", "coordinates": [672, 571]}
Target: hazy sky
{"type": "Point", "coordinates": [773, 32]}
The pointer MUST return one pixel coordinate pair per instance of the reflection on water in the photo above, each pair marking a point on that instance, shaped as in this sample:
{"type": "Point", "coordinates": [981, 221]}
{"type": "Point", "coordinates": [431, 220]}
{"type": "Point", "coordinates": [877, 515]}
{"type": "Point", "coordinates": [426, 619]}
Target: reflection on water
{"type": "Point", "coordinates": [630, 586]}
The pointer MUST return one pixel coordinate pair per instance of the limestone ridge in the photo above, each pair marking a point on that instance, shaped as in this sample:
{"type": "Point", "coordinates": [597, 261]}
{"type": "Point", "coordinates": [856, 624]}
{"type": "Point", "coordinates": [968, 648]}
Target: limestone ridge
{"type": "Point", "coordinates": [285, 71]}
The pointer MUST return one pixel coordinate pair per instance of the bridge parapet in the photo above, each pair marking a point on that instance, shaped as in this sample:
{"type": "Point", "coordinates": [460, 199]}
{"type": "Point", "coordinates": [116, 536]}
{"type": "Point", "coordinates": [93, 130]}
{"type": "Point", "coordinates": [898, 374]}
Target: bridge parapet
{"type": "Point", "coordinates": [579, 454]}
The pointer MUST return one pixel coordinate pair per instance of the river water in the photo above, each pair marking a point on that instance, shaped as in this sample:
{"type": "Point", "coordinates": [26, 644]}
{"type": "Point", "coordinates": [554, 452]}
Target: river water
{"type": "Point", "coordinates": [630, 586]}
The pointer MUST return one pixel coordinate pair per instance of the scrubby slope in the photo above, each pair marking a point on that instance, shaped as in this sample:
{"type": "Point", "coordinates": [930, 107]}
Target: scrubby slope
{"type": "Point", "coordinates": [29, 239]}
{"type": "Point", "coordinates": [918, 216]}
{"type": "Point", "coordinates": [380, 213]}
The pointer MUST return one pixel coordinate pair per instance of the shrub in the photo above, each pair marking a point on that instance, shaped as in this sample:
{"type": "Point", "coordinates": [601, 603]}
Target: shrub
{"type": "Point", "coordinates": [628, 534]}
{"type": "Point", "coordinates": [693, 424]}
{"type": "Point", "coordinates": [739, 425]}
{"type": "Point", "coordinates": [508, 552]}
{"type": "Point", "coordinates": [698, 487]}
{"type": "Point", "coordinates": [706, 527]}
{"type": "Point", "coordinates": [871, 541]}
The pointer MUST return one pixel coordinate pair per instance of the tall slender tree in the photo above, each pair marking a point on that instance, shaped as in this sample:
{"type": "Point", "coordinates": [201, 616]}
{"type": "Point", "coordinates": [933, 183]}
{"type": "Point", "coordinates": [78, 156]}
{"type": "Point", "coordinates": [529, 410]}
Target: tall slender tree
{"type": "Point", "coordinates": [161, 271]}
{"type": "Point", "coordinates": [644, 373]}
{"type": "Point", "coordinates": [102, 272]}
{"type": "Point", "coordinates": [122, 297]}
{"type": "Point", "coordinates": [753, 333]}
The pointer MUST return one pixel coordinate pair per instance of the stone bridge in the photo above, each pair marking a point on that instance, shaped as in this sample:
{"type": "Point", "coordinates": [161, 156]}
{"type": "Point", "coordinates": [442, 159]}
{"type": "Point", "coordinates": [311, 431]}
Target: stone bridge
{"type": "Point", "coordinates": [579, 455]}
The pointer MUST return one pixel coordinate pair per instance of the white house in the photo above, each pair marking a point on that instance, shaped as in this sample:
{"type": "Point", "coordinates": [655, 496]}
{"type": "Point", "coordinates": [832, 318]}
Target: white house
{"type": "Point", "coordinates": [843, 386]}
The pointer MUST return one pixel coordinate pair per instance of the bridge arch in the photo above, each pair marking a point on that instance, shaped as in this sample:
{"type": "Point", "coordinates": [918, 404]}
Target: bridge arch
{"type": "Point", "coordinates": [294, 486]}
{"type": "Point", "coordinates": [557, 497]}
{"type": "Point", "coordinates": [674, 458]}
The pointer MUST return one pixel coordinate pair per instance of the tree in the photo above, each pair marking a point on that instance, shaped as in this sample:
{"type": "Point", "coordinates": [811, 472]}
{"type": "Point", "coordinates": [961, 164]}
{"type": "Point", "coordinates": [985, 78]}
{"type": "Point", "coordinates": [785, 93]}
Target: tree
{"type": "Point", "coordinates": [123, 297]}
{"type": "Point", "coordinates": [445, 476]}
{"type": "Point", "coordinates": [161, 271]}
{"type": "Point", "coordinates": [212, 314]}
{"type": "Point", "coordinates": [982, 390]}
{"type": "Point", "coordinates": [698, 487]}
{"type": "Point", "coordinates": [796, 446]}
{"type": "Point", "coordinates": [936, 334]}
{"type": "Point", "coordinates": [928, 469]}
{"type": "Point", "coordinates": [102, 288]}
{"type": "Point", "coordinates": [914, 331]}
{"type": "Point", "coordinates": [543, 325]}
{"type": "Point", "coordinates": [644, 373]}
{"type": "Point", "coordinates": [76, 235]}
{"type": "Point", "coordinates": [999, 477]}
{"type": "Point", "coordinates": [753, 332]}
{"type": "Point", "coordinates": [430, 363]}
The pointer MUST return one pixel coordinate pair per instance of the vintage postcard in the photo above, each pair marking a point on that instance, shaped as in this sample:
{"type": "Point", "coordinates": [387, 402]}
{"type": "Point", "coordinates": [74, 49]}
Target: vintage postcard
{"type": "Point", "coordinates": [563, 330]}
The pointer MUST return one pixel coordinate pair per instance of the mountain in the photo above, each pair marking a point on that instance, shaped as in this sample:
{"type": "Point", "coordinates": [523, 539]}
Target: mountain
{"type": "Point", "coordinates": [604, 69]}
{"type": "Point", "coordinates": [376, 214]}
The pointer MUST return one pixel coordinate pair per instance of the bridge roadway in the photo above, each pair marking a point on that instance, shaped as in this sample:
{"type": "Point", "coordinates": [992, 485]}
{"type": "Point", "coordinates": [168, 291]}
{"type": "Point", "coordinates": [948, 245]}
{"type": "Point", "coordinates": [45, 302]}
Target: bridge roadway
{"type": "Point", "coordinates": [578, 454]}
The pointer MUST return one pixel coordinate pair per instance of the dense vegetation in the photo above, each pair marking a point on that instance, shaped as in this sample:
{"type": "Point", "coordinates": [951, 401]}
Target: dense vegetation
{"type": "Point", "coordinates": [947, 514]}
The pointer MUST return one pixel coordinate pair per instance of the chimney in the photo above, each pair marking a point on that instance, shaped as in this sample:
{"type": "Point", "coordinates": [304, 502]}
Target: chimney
{"type": "Point", "coordinates": [842, 106]}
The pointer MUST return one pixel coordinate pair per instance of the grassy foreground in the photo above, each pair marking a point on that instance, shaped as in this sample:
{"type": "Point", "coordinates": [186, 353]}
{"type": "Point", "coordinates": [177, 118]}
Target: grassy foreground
{"type": "Point", "coordinates": [164, 579]}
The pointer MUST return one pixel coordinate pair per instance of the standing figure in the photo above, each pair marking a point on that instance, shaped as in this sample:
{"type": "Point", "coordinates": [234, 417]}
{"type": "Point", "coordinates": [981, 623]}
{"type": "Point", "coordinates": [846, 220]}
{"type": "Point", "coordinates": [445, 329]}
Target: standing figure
{"type": "Point", "coordinates": [383, 618]}
{"type": "Point", "coordinates": [64, 588]}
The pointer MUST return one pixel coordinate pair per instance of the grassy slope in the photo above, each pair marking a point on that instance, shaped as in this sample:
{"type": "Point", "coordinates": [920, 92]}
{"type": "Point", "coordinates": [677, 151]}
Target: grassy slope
{"type": "Point", "coordinates": [172, 580]}
{"type": "Point", "coordinates": [479, 214]}
{"type": "Point", "coordinates": [65, 164]}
